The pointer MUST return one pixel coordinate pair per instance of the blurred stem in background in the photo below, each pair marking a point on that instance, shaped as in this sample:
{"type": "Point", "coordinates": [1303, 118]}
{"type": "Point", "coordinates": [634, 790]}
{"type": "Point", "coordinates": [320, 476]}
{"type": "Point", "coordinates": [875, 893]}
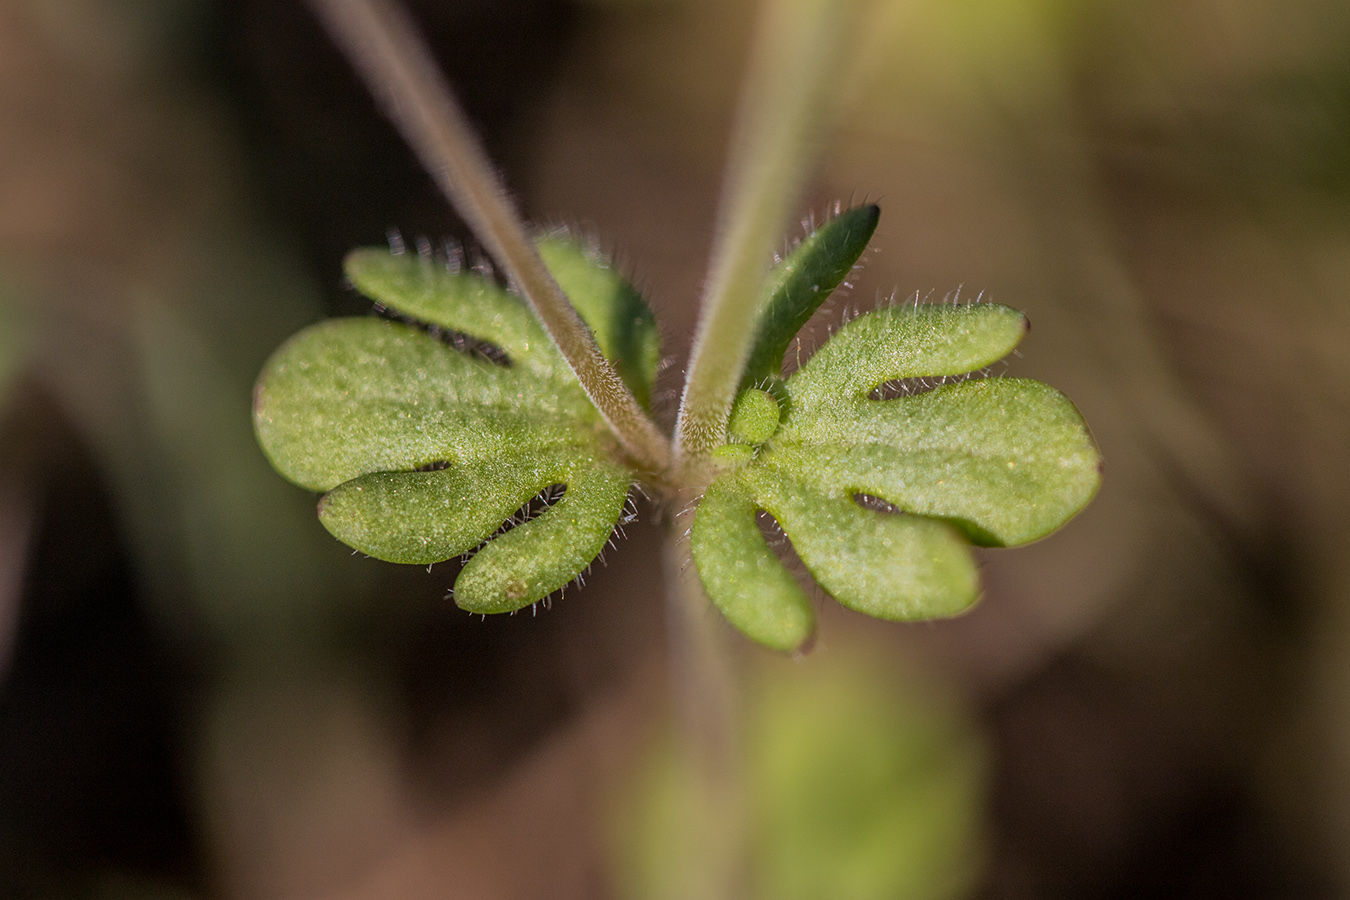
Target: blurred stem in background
{"type": "Point", "coordinates": [788, 100]}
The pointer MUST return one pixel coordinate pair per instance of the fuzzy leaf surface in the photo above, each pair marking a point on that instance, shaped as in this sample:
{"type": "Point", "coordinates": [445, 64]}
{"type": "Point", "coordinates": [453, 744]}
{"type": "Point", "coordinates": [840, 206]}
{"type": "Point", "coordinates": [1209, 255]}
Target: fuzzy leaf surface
{"type": "Point", "coordinates": [1007, 460]}
{"type": "Point", "coordinates": [424, 450]}
{"type": "Point", "coordinates": [742, 574]}
{"type": "Point", "coordinates": [889, 566]}
{"type": "Point", "coordinates": [540, 556]}
{"type": "Point", "coordinates": [997, 462]}
{"type": "Point", "coordinates": [349, 397]}
{"type": "Point", "coordinates": [462, 302]}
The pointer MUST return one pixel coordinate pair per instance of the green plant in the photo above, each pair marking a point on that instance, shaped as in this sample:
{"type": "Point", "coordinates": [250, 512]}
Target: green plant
{"type": "Point", "coordinates": [427, 433]}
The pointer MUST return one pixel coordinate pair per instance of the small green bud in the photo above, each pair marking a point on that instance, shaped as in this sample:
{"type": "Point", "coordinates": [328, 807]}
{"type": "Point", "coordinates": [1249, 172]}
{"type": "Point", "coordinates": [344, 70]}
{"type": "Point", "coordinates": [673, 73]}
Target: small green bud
{"type": "Point", "coordinates": [754, 417]}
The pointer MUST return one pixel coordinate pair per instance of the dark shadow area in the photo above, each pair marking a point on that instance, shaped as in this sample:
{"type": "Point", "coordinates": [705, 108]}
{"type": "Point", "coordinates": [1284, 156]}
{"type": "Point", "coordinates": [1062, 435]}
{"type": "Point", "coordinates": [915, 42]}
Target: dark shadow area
{"type": "Point", "coordinates": [92, 706]}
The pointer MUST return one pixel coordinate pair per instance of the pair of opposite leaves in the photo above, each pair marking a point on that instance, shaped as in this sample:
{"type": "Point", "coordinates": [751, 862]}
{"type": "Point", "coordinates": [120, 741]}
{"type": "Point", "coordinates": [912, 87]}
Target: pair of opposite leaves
{"type": "Point", "coordinates": [424, 449]}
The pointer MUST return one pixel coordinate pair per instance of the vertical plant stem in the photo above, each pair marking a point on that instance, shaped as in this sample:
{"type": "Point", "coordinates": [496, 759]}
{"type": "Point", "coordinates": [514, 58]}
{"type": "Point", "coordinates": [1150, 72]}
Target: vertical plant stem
{"type": "Point", "coordinates": [708, 736]}
{"type": "Point", "coordinates": [381, 44]}
{"type": "Point", "coordinates": [783, 112]}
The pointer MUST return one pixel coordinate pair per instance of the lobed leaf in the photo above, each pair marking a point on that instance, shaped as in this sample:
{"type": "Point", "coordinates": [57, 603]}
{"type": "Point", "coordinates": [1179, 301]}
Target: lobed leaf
{"type": "Point", "coordinates": [891, 566]}
{"type": "Point", "coordinates": [425, 451]}
{"type": "Point", "coordinates": [350, 397]}
{"type": "Point", "coordinates": [741, 573]}
{"type": "Point", "coordinates": [540, 556]}
{"type": "Point", "coordinates": [899, 342]}
{"type": "Point", "coordinates": [1006, 460]}
{"type": "Point", "coordinates": [463, 302]}
{"type": "Point", "coordinates": [995, 461]}
{"type": "Point", "coordinates": [426, 517]}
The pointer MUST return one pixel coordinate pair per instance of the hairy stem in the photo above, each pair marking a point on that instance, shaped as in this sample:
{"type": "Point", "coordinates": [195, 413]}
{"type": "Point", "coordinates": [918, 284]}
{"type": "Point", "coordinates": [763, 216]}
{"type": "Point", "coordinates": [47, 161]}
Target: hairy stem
{"type": "Point", "coordinates": [783, 109]}
{"type": "Point", "coordinates": [382, 45]}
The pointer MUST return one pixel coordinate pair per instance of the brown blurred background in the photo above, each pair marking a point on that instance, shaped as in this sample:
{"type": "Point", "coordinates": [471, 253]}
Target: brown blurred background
{"type": "Point", "coordinates": [202, 695]}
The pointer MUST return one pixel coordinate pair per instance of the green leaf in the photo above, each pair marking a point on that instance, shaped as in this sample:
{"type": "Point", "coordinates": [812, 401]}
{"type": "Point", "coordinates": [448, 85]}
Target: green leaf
{"type": "Point", "coordinates": [907, 341]}
{"type": "Point", "coordinates": [1006, 460]}
{"type": "Point", "coordinates": [464, 302]}
{"type": "Point", "coordinates": [616, 313]}
{"type": "Point", "coordinates": [540, 556]}
{"type": "Point", "coordinates": [349, 397]}
{"type": "Point", "coordinates": [890, 566]}
{"type": "Point", "coordinates": [426, 517]}
{"type": "Point", "coordinates": [998, 462]}
{"type": "Point", "coordinates": [425, 451]}
{"type": "Point", "coordinates": [798, 285]}
{"type": "Point", "coordinates": [742, 574]}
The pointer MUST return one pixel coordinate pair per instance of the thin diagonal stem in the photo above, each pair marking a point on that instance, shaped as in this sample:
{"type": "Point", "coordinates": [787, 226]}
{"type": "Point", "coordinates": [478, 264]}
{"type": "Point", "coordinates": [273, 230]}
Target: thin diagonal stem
{"type": "Point", "coordinates": [382, 45]}
{"type": "Point", "coordinates": [783, 111]}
